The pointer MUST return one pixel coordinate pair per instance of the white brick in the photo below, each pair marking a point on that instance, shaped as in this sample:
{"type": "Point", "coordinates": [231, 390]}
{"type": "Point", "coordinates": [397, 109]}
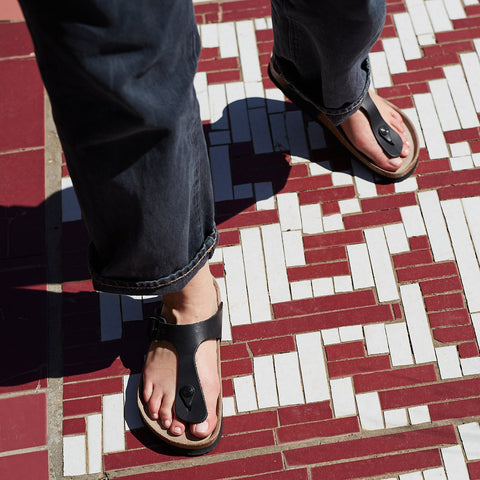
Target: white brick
{"type": "Point", "coordinates": [380, 73]}
{"type": "Point", "coordinates": [278, 286]}
{"type": "Point", "coordinates": [311, 218]}
{"type": "Point", "coordinates": [262, 142]}
{"type": "Point", "coordinates": [461, 163]}
{"type": "Point", "coordinates": [470, 435]}
{"type": "Point", "coordinates": [264, 196]}
{"type": "Point", "coordinates": [221, 174]}
{"type": "Point", "coordinates": [438, 16]}
{"type": "Point", "coordinates": [209, 35]}
{"type": "Point", "coordinates": [407, 185]}
{"type": "Point", "coordinates": [289, 211]}
{"type": "Point", "coordinates": [455, 9]}
{"type": "Point", "coordinates": [369, 411]}
{"type": "Point", "coordinates": [94, 442]}
{"type": "Point", "coordinates": [360, 266]}
{"type": "Point", "coordinates": [245, 394]}
{"type": "Point", "coordinates": [265, 385]}
{"type": "Point", "coordinates": [289, 385]}
{"type": "Point", "coordinates": [343, 397]}
{"type": "Point", "coordinates": [313, 367]}
{"type": "Point", "coordinates": [218, 104]}
{"type": "Point", "coordinates": [351, 205]}
{"type": "Point", "coordinates": [74, 451]}
{"type": "Point", "coordinates": [395, 418]}
{"type": "Point", "coordinates": [471, 206]}
{"type": "Point", "coordinates": [417, 322]}
{"type": "Point", "coordinates": [364, 181]}
{"type": "Point", "coordinates": [470, 366]}
{"type": "Point", "coordinates": [247, 45]}
{"type": "Point", "coordinates": [113, 423]}
{"type": "Point", "coordinates": [430, 124]}
{"type": "Point", "coordinates": [471, 66]}
{"type": "Point", "coordinates": [444, 106]}
{"type": "Point", "coordinates": [397, 240]}
{"type": "Point", "coordinates": [322, 287]}
{"type": "Point", "coordinates": [301, 289]}
{"type": "Point", "coordinates": [460, 149]}
{"type": "Point", "coordinates": [407, 36]}
{"type": "Point", "coordinates": [236, 285]}
{"type": "Point", "coordinates": [375, 338]}
{"type": "Point", "coordinates": [393, 51]}
{"type": "Point", "coordinates": [342, 283]}
{"type": "Point", "coordinates": [293, 247]}
{"type": "Point", "coordinates": [448, 362]}
{"type": "Point", "coordinates": [412, 221]}
{"type": "Point", "coordinates": [226, 328]}
{"type": "Point", "coordinates": [381, 265]}
{"type": "Point", "coordinates": [333, 222]}
{"type": "Point", "coordinates": [227, 40]}
{"type": "Point", "coordinates": [255, 275]}
{"type": "Point", "coordinates": [455, 463]}
{"type": "Point", "coordinates": [330, 336]}
{"type": "Point", "coordinates": [421, 22]}
{"type": "Point", "coordinates": [351, 333]}
{"type": "Point", "coordinates": [435, 474]}
{"type": "Point", "coordinates": [399, 344]}
{"type": "Point", "coordinates": [419, 414]}
{"type": "Point", "coordinates": [228, 406]}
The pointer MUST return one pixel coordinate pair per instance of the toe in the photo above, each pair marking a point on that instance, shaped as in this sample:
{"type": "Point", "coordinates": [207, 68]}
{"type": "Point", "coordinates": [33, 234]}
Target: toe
{"type": "Point", "coordinates": [153, 403]}
{"type": "Point", "coordinates": [177, 427]}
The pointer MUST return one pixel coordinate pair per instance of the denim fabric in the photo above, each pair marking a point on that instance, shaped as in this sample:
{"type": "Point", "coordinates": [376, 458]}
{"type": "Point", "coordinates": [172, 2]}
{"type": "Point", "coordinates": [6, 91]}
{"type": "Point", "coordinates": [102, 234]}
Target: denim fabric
{"type": "Point", "coordinates": [322, 47]}
{"type": "Point", "coordinates": [119, 74]}
{"type": "Point", "coordinates": [120, 78]}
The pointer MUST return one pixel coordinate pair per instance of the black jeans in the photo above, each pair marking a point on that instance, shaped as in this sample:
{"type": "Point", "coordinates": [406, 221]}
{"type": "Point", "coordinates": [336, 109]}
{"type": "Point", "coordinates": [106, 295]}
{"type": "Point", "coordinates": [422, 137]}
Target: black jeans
{"type": "Point", "coordinates": [120, 73]}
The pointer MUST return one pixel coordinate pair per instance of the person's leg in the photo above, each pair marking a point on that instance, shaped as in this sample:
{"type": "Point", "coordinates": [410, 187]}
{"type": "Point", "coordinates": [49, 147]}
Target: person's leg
{"type": "Point", "coordinates": [323, 48]}
{"type": "Point", "coordinates": [120, 79]}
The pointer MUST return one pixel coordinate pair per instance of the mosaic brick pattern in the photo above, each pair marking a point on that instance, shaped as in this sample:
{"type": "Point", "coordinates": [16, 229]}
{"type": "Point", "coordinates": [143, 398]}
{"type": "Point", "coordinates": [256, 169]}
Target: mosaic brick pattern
{"type": "Point", "coordinates": [352, 325]}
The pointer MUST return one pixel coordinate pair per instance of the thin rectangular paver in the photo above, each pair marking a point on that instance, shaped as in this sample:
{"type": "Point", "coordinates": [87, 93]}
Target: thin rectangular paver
{"type": "Point", "coordinates": [289, 211]}
{"type": "Point", "coordinates": [311, 216]}
{"type": "Point", "coordinates": [471, 67]}
{"type": "Point", "coordinates": [245, 393]}
{"type": "Point", "coordinates": [376, 338]}
{"type": "Point", "coordinates": [343, 397]}
{"type": "Point", "coordinates": [74, 455]}
{"type": "Point", "coordinates": [227, 40]}
{"type": "Point", "coordinates": [396, 418]}
{"type": "Point", "coordinates": [448, 362]}
{"type": "Point", "coordinates": [113, 423]}
{"type": "Point", "coordinates": [470, 435]}
{"type": "Point", "coordinates": [397, 240]}
{"type": "Point", "coordinates": [296, 134]}
{"type": "Point", "coordinates": [262, 141]}
{"type": "Point", "coordinates": [289, 385]}
{"type": "Point", "coordinates": [110, 316]}
{"type": "Point", "coordinates": [413, 221]}
{"type": "Point", "coordinates": [301, 289]}
{"type": "Point", "coordinates": [293, 247]}
{"type": "Point", "coordinates": [313, 367]}
{"type": "Point", "coordinates": [455, 9]}
{"type": "Point", "coordinates": [380, 72]}
{"type": "Point", "coordinates": [471, 207]}
{"type": "Point", "coordinates": [132, 416]}
{"type": "Point", "coordinates": [247, 46]}
{"type": "Point", "coordinates": [369, 411]}
{"type": "Point", "coordinates": [438, 16]}
{"type": "Point", "coordinates": [265, 384]}
{"type": "Point", "coordinates": [394, 53]}
{"type": "Point", "coordinates": [435, 474]}
{"type": "Point", "coordinates": [417, 323]}
{"type": "Point", "coordinates": [407, 37]}
{"type": "Point", "coordinates": [399, 344]}
{"type": "Point", "coordinates": [278, 128]}
{"type": "Point", "coordinates": [454, 463]}
{"type": "Point", "coordinates": [94, 443]}
{"type": "Point", "coordinates": [322, 287]}
{"type": "Point", "coordinates": [237, 108]}
{"type": "Point", "coordinates": [444, 106]}
{"type": "Point", "coordinates": [221, 173]}
{"type": "Point", "coordinates": [264, 198]}
{"type": "Point", "coordinates": [360, 266]}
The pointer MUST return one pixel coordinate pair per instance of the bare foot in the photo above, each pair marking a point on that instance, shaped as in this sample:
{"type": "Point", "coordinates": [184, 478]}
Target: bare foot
{"type": "Point", "coordinates": [195, 303]}
{"type": "Point", "coordinates": [359, 132]}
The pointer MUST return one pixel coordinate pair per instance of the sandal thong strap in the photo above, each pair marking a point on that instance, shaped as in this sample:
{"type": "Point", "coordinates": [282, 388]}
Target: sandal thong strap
{"type": "Point", "coordinates": [189, 400]}
{"type": "Point", "coordinates": [385, 135]}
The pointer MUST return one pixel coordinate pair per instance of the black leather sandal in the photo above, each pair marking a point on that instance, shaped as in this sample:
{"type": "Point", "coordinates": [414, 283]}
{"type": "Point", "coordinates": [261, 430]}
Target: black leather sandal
{"type": "Point", "coordinates": [385, 135]}
{"type": "Point", "coordinates": [189, 400]}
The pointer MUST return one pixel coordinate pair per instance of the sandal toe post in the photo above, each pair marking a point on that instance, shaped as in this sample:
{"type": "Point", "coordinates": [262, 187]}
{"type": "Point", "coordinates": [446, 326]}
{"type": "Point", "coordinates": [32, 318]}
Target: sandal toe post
{"type": "Point", "coordinates": [189, 401]}
{"type": "Point", "coordinates": [386, 136]}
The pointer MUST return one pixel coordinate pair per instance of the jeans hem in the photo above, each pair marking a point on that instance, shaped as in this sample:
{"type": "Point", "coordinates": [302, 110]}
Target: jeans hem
{"type": "Point", "coordinates": [172, 283]}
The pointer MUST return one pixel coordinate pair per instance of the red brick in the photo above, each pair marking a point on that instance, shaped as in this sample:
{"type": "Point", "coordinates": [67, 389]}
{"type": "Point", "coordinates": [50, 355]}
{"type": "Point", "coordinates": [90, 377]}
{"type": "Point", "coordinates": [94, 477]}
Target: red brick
{"type": "Point", "coordinates": [227, 388]}
{"type": "Point", "coordinates": [21, 122]}
{"type": "Point", "coordinates": [344, 351]}
{"type": "Point", "coordinates": [344, 368]}
{"type": "Point", "coordinates": [82, 406]}
{"type": "Point", "coordinates": [325, 428]}
{"type": "Point", "coordinates": [92, 388]}
{"type": "Point", "coordinates": [15, 40]}
{"type": "Point", "coordinates": [431, 50]}
{"type": "Point", "coordinates": [270, 346]}
{"type": "Point", "coordinates": [74, 426]}
{"type": "Point", "coordinates": [224, 76]}
{"type": "Point", "coordinates": [209, 53]}
{"type": "Point", "coordinates": [243, 5]}
{"type": "Point", "coordinates": [328, 269]}
{"type": "Point", "coordinates": [24, 422]}
{"type": "Point", "coordinates": [309, 323]}
{"type": "Point", "coordinates": [455, 409]}
{"type": "Point", "coordinates": [440, 392]}
{"type": "Point", "coordinates": [417, 257]}
{"type": "Point", "coordinates": [307, 183]}
{"type": "Point", "coordinates": [33, 465]}
{"type": "Point", "coordinates": [433, 166]}
{"type": "Point", "coordinates": [234, 368]}
{"type": "Point", "coordinates": [325, 254]}
{"type": "Point", "coordinates": [452, 317]}
{"type": "Point", "coordinates": [264, 35]}
{"type": "Point", "coordinates": [217, 270]}
{"type": "Point", "coordinates": [377, 445]}
{"type": "Point", "coordinates": [397, 7]}
{"type": "Point", "coordinates": [250, 219]}
{"type": "Point", "coordinates": [395, 91]}
{"type": "Point", "coordinates": [372, 467]}
{"type": "Point", "coordinates": [454, 334]}
{"type": "Point", "coordinates": [432, 61]}
{"type": "Point", "coordinates": [461, 191]}
{"type": "Point", "coordinates": [465, 23]}
{"type": "Point", "coordinates": [454, 136]}
{"type": "Point", "coordinates": [250, 422]}
{"type": "Point", "coordinates": [391, 201]}
{"type": "Point", "coordinates": [324, 304]}
{"type": "Point", "coordinates": [216, 65]}
{"type": "Point", "coordinates": [326, 194]}
{"type": "Point", "coordinates": [310, 412]}
{"type": "Point", "coordinates": [466, 46]}
{"type": "Point", "coordinates": [445, 301]}
{"type": "Point", "coordinates": [364, 220]}
{"type": "Point", "coordinates": [246, 441]}
{"type": "Point", "coordinates": [419, 243]}
{"type": "Point", "coordinates": [388, 32]}
{"type": "Point", "coordinates": [404, 102]}
{"type": "Point", "coordinates": [468, 350]}
{"type": "Point", "coordinates": [474, 470]}
{"type": "Point", "coordinates": [333, 239]}
{"type": "Point", "coordinates": [418, 76]}
{"type": "Point", "coordinates": [385, 188]}
{"type": "Point", "coordinates": [234, 351]}
{"type": "Point", "coordinates": [398, 377]}
{"type": "Point", "coordinates": [245, 14]}
{"type": "Point", "coordinates": [231, 237]}
{"type": "Point", "coordinates": [397, 311]}
{"type": "Point", "coordinates": [330, 208]}
{"type": "Point", "coordinates": [472, 10]}
{"type": "Point", "coordinates": [206, 7]}
{"type": "Point", "coordinates": [448, 179]}
{"type": "Point", "coordinates": [214, 471]}
{"type": "Point", "coordinates": [297, 474]}
{"type": "Point", "coordinates": [457, 35]}
{"type": "Point", "coordinates": [212, 18]}
{"type": "Point", "coordinates": [431, 287]}
{"type": "Point", "coordinates": [437, 270]}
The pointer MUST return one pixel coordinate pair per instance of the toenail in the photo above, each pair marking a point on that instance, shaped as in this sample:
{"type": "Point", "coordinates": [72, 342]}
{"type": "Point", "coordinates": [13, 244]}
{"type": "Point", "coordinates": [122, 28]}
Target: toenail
{"type": "Point", "coordinates": [395, 162]}
{"type": "Point", "coordinates": [177, 430]}
{"type": "Point", "coordinates": [202, 427]}
{"type": "Point", "coordinates": [167, 423]}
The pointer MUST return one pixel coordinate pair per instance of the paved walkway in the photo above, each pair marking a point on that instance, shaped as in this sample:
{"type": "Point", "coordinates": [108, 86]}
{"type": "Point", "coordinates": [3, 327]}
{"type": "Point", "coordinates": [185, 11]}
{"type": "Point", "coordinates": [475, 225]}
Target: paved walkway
{"type": "Point", "coordinates": [352, 332]}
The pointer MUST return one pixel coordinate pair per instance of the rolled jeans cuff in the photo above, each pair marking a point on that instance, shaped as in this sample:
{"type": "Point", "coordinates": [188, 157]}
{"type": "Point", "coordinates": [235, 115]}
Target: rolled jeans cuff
{"type": "Point", "coordinates": [171, 283]}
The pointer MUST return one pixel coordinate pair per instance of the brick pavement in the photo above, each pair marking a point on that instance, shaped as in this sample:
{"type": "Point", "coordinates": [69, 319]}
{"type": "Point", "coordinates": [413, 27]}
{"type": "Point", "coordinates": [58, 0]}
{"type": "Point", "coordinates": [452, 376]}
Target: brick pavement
{"type": "Point", "coordinates": [351, 340]}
